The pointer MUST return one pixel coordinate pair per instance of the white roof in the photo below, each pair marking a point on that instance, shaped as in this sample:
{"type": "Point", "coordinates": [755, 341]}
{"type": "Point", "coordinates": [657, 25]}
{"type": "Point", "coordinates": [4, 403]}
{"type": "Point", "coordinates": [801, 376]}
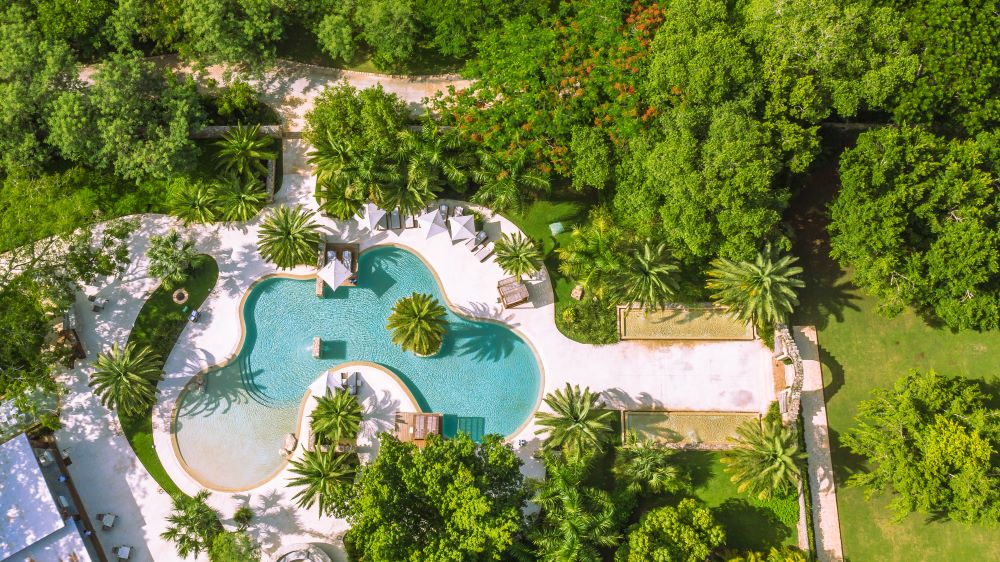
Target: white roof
{"type": "Point", "coordinates": [28, 512]}
{"type": "Point", "coordinates": [433, 222]}
{"type": "Point", "coordinates": [334, 273]}
{"type": "Point", "coordinates": [374, 214]}
{"type": "Point", "coordinates": [462, 227]}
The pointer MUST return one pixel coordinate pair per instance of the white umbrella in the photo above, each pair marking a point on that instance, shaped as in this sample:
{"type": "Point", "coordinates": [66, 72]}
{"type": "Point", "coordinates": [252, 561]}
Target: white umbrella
{"type": "Point", "coordinates": [335, 273]}
{"type": "Point", "coordinates": [374, 214]}
{"type": "Point", "coordinates": [463, 227]}
{"type": "Point", "coordinates": [433, 222]}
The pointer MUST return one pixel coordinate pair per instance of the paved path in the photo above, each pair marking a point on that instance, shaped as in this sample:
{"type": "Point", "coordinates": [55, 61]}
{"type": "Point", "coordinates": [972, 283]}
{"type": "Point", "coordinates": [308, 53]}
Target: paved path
{"type": "Point", "coordinates": [694, 376]}
{"type": "Point", "coordinates": [291, 87]}
{"type": "Point", "coordinates": [822, 487]}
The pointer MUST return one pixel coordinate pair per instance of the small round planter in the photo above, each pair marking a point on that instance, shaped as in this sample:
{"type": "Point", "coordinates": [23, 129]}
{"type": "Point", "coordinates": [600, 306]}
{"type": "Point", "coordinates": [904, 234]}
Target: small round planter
{"type": "Point", "coordinates": [180, 296]}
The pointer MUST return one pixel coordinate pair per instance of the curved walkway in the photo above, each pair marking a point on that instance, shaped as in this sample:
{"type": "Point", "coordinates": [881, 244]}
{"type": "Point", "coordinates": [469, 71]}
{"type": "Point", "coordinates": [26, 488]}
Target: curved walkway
{"type": "Point", "coordinates": [692, 376]}
{"type": "Point", "coordinates": [291, 87]}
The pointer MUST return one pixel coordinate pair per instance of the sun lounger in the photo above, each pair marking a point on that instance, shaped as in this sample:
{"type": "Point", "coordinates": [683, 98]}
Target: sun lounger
{"type": "Point", "coordinates": [485, 252]}
{"type": "Point", "coordinates": [394, 223]}
{"type": "Point", "coordinates": [100, 303]}
{"type": "Point", "coordinates": [330, 256]}
{"type": "Point", "coordinates": [474, 243]}
{"type": "Point", "coordinates": [347, 259]}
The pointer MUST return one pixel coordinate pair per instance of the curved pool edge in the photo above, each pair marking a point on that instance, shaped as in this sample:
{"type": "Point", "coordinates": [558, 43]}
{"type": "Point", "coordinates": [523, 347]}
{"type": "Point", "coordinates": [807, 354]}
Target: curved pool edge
{"type": "Point", "coordinates": [175, 407]}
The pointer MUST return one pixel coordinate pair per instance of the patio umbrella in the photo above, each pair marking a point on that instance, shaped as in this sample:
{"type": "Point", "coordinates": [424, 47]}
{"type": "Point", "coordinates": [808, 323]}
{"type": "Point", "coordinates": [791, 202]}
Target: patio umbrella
{"type": "Point", "coordinates": [374, 214]}
{"type": "Point", "coordinates": [335, 273]}
{"type": "Point", "coordinates": [463, 227]}
{"type": "Point", "coordinates": [433, 222]}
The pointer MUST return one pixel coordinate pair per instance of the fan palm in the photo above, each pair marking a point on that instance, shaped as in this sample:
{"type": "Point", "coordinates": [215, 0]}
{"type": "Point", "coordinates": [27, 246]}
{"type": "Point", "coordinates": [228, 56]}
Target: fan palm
{"type": "Point", "coordinates": [193, 203]}
{"type": "Point", "coordinates": [335, 200]}
{"type": "Point", "coordinates": [593, 256]}
{"type": "Point", "coordinates": [193, 524]}
{"type": "Point", "coordinates": [647, 468]}
{"type": "Point", "coordinates": [504, 180]}
{"type": "Point", "coordinates": [240, 199]}
{"type": "Point", "coordinates": [577, 521]}
{"type": "Point", "coordinates": [328, 156]}
{"type": "Point", "coordinates": [762, 290]}
{"type": "Point", "coordinates": [324, 477]}
{"type": "Point", "coordinates": [337, 416]}
{"type": "Point", "coordinates": [518, 255]}
{"type": "Point", "coordinates": [765, 460]}
{"type": "Point", "coordinates": [171, 258]}
{"type": "Point", "coordinates": [289, 237]}
{"type": "Point", "coordinates": [647, 277]}
{"type": "Point", "coordinates": [435, 153]}
{"type": "Point", "coordinates": [242, 150]}
{"type": "Point", "coordinates": [576, 424]}
{"type": "Point", "coordinates": [125, 378]}
{"type": "Point", "coordinates": [418, 324]}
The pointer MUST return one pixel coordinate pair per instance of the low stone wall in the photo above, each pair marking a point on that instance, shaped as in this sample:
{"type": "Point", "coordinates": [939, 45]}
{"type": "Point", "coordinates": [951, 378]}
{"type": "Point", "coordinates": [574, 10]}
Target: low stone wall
{"type": "Point", "coordinates": [786, 350]}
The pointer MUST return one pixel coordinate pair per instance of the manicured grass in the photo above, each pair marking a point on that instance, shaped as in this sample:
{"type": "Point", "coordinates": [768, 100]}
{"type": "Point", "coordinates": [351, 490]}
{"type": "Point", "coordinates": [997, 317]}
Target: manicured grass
{"type": "Point", "coordinates": [750, 524]}
{"type": "Point", "coordinates": [159, 324]}
{"type": "Point", "coordinates": [861, 350]}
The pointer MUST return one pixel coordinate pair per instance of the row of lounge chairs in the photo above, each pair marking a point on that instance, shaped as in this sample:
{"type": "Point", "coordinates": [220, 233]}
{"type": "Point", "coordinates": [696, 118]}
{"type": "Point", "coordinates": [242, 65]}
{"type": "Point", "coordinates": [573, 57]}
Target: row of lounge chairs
{"type": "Point", "coordinates": [481, 246]}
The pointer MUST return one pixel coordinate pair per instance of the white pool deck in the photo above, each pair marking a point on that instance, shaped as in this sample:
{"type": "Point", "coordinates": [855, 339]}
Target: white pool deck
{"type": "Point", "coordinates": [725, 376]}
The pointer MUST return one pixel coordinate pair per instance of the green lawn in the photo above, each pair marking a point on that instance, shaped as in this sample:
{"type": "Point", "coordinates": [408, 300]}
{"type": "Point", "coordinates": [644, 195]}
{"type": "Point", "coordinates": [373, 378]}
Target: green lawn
{"type": "Point", "coordinates": [750, 524]}
{"type": "Point", "coordinates": [861, 350]}
{"type": "Point", "coordinates": [159, 324]}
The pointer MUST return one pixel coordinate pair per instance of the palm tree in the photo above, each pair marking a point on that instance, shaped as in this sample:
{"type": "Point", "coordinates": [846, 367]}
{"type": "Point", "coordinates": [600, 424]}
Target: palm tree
{"type": "Point", "coordinates": [193, 203]}
{"type": "Point", "coordinates": [576, 424]}
{"type": "Point", "coordinates": [577, 521]}
{"type": "Point", "coordinates": [239, 198]}
{"type": "Point", "coordinates": [765, 460]}
{"type": "Point", "coordinates": [369, 174]}
{"type": "Point", "coordinates": [503, 181]}
{"type": "Point", "coordinates": [171, 259]}
{"type": "Point", "coordinates": [647, 468]}
{"type": "Point", "coordinates": [289, 237]}
{"type": "Point", "coordinates": [410, 196]}
{"type": "Point", "coordinates": [594, 255]}
{"type": "Point", "coordinates": [337, 416]}
{"type": "Point", "coordinates": [762, 291]}
{"type": "Point", "coordinates": [324, 477]}
{"type": "Point", "coordinates": [436, 155]}
{"type": "Point", "coordinates": [647, 277]}
{"type": "Point", "coordinates": [418, 324]}
{"type": "Point", "coordinates": [125, 379]}
{"type": "Point", "coordinates": [335, 200]}
{"type": "Point", "coordinates": [328, 156]}
{"type": "Point", "coordinates": [193, 525]}
{"type": "Point", "coordinates": [242, 149]}
{"type": "Point", "coordinates": [518, 255]}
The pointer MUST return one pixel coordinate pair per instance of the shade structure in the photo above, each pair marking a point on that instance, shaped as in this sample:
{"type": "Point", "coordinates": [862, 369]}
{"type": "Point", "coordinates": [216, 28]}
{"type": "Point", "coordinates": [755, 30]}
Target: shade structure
{"type": "Point", "coordinates": [462, 227]}
{"type": "Point", "coordinates": [432, 222]}
{"type": "Point", "coordinates": [374, 214]}
{"type": "Point", "coordinates": [335, 273]}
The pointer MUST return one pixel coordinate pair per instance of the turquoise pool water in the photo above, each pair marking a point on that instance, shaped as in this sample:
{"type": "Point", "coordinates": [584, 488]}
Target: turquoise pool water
{"type": "Point", "coordinates": [484, 380]}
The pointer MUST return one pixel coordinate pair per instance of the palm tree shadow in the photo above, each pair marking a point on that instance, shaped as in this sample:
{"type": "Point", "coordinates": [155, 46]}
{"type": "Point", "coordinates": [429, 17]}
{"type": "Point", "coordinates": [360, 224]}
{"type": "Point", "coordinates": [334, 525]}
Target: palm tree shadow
{"type": "Point", "coordinates": [482, 341]}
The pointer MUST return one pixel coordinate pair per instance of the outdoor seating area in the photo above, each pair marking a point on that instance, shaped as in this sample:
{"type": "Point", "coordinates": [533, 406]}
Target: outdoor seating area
{"type": "Point", "coordinates": [512, 292]}
{"type": "Point", "coordinates": [412, 427]}
{"type": "Point", "coordinates": [351, 382]}
{"type": "Point", "coordinates": [338, 265]}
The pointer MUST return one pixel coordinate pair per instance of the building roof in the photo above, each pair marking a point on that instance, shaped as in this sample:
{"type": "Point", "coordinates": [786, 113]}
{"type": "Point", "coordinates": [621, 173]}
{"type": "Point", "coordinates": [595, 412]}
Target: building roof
{"type": "Point", "coordinates": [31, 526]}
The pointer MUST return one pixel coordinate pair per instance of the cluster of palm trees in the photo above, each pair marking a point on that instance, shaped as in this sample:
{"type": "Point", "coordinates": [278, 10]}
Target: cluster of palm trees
{"type": "Point", "coordinates": [606, 262]}
{"type": "Point", "coordinates": [325, 472]}
{"type": "Point", "coordinates": [417, 324]}
{"type": "Point", "coordinates": [125, 379]}
{"type": "Point", "coordinates": [237, 194]}
{"type": "Point", "coordinates": [171, 258]}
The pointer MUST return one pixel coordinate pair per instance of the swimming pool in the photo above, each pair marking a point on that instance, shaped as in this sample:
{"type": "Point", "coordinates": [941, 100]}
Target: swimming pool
{"type": "Point", "coordinates": [484, 380]}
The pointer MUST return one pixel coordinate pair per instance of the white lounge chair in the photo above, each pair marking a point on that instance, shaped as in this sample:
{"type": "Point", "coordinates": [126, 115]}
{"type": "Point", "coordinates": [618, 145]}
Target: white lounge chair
{"type": "Point", "coordinates": [485, 252]}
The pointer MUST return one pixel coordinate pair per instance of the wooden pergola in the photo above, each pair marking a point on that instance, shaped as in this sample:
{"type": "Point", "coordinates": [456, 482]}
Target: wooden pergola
{"type": "Point", "coordinates": [512, 292]}
{"type": "Point", "coordinates": [412, 427]}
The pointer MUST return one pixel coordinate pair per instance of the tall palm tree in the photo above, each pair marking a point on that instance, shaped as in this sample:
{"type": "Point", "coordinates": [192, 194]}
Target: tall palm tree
{"type": "Point", "coordinates": [125, 378]}
{"type": "Point", "coordinates": [648, 276]}
{"type": "Point", "coordinates": [193, 524]}
{"type": "Point", "coordinates": [575, 425]}
{"type": "Point", "coordinates": [336, 200]}
{"type": "Point", "coordinates": [289, 237]}
{"type": "Point", "coordinates": [647, 468]}
{"type": "Point", "coordinates": [762, 290]}
{"type": "Point", "coordinates": [418, 324]}
{"type": "Point", "coordinates": [337, 416]}
{"type": "Point", "coordinates": [242, 150]}
{"type": "Point", "coordinates": [239, 198]}
{"type": "Point", "coordinates": [328, 156]}
{"type": "Point", "coordinates": [504, 181]}
{"type": "Point", "coordinates": [594, 255]}
{"type": "Point", "coordinates": [366, 174]}
{"type": "Point", "coordinates": [577, 521]}
{"type": "Point", "coordinates": [518, 255]}
{"type": "Point", "coordinates": [765, 460]}
{"type": "Point", "coordinates": [193, 203]}
{"type": "Point", "coordinates": [324, 477]}
{"type": "Point", "coordinates": [171, 259]}
{"type": "Point", "coordinates": [436, 155]}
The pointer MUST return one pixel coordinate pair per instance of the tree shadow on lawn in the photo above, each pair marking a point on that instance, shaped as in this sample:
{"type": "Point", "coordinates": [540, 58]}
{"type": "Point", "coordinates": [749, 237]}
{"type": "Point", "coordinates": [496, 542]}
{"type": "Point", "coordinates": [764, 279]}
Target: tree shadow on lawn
{"type": "Point", "coordinates": [749, 527]}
